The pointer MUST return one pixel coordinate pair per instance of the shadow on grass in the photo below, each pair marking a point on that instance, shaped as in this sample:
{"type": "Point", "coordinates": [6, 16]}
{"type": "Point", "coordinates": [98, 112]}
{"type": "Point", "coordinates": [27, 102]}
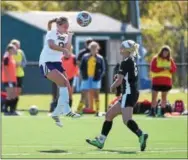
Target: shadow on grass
{"type": "Point", "coordinates": [118, 151]}
{"type": "Point", "coordinates": [54, 151]}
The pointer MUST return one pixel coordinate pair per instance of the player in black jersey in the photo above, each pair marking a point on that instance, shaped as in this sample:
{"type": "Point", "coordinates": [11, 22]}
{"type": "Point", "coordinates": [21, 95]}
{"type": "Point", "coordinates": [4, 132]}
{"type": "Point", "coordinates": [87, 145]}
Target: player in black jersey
{"type": "Point", "coordinates": [128, 77]}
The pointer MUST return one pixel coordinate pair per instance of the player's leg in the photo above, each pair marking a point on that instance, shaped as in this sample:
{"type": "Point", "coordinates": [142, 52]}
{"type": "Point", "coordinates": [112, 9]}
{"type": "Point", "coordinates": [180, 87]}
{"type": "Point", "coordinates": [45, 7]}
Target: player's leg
{"type": "Point", "coordinates": [128, 101]}
{"type": "Point", "coordinates": [107, 125]}
{"type": "Point", "coordinates": [19, 91]}
{"type": "Point", "coordinates": [71, 84]}
{"type": "Point", "coordinates": [55, 96]}
{"type": "Point", "coordinates": [58, 78]}
{"type": "Point", "coordinates": [90, 98]}
{"type": "Point", "coordinates": [97, 100]}
{"type": "Point", "coordinates": [11, 98]}
{"type": "Point", "coordinates": [163, 103]}
{"type": "Point", "coordinates": [96, 86]}
{"type": "Point", "coordinates": [63, 100]}
{"type": "Point", "coordinates": [152, 112]}
{"type": "Point", "coordinates": [84, 97]}
{"type": "Point", "coordinates": [19, 85]}
{"type": "Point", "coordinates": [54, 72]}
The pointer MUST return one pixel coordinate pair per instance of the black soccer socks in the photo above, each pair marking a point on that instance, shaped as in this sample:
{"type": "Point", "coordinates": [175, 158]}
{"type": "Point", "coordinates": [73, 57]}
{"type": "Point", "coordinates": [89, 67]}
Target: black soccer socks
{"type": "Point", "coordinates": [131, 124]}
{"type": "Point", "coordinates": [107, 125]}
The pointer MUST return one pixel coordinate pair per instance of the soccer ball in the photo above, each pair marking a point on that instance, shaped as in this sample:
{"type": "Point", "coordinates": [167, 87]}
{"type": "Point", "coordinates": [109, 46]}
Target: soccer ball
{"type": "Point", "coordinates": [33, 110]}
{"type": "Point", "coordinates": [84, 18]}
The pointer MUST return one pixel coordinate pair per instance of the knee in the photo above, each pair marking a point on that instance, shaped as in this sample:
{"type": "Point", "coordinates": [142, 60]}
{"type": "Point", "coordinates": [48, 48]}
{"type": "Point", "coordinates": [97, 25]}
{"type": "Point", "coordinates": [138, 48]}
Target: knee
{"type": "Point", "coordinates": [108, 117]}
{"type": "Point", "coordinates": [126, 120]}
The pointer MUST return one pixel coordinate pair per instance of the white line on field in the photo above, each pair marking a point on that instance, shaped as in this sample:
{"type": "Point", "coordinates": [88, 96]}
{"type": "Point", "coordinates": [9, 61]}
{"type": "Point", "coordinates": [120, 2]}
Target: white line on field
{"type": "Point", "coordinates": [90, 117]}
{"type": "Point", "coordinates": [83, 146]}
{"type": "Point", "coordinates": [94, 152]}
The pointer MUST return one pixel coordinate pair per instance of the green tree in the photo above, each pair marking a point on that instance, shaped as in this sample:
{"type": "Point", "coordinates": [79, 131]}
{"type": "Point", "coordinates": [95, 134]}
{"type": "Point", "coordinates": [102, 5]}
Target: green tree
{"type": "Point", "coordinates": [162, 22]}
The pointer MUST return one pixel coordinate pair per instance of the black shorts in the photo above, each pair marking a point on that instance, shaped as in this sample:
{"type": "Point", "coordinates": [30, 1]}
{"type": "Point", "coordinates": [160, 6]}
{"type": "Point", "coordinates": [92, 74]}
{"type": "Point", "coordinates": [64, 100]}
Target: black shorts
{"type": "Point", "coordinates": [129, 99]}
{"type": "Point", "coordinates": [71, 81]}
{"type": "Point", "coordinates": [10, 84]}
{"type": "Point", "coordinates": [19, 82]}
{"type": "Point", "coordinates": [161, 88]}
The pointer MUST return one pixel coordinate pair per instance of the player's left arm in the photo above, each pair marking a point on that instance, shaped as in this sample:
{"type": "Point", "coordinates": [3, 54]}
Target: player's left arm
{"type": "Point", "coordinates": [173, 66]}
{"type": "Point", "coordinates": [24, 60]}
{"type": "Point", "coordinates": [103, 67]}
{"type": "Point", "coordinates": [120, 76]}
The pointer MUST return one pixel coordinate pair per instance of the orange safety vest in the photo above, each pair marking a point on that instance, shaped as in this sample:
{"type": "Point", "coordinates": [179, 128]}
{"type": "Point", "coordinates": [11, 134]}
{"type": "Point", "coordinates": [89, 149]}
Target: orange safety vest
{"type": "Point", "coordinates": [11, 69]}
{"type": "Point", "coordinates": [69, 65]}
{"type": "Point", "coordinates": [160, 64]}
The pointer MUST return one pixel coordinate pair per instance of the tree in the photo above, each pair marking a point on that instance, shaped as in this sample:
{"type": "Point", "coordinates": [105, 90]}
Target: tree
{"type": "Point", "coordinates": [162, 22]}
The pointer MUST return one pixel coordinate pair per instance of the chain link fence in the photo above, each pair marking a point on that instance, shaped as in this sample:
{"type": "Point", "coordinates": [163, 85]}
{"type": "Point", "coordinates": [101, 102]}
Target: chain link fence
{"type": "Point", "coordinates": [35, 83]}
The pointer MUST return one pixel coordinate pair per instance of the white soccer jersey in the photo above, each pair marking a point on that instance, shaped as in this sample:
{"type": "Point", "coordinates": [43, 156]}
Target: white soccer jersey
{"type": "Point", "coordinates": [48, 54]}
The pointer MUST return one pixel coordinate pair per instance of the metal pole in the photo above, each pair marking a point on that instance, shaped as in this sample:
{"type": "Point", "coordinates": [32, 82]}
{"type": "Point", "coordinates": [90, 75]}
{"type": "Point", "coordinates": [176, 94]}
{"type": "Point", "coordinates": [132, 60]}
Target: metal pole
{"type": "Point", "coordinates": [106, 85]}
{"type": "Point", "coordinates": [183, 69]}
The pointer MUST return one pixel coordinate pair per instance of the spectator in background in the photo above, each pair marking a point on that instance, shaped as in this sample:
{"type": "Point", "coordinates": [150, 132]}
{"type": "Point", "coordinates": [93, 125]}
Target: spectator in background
{"type": "Point", "coordinates": [92, 69]}
{"type": "Point", "coordinates": [83, 100]}
{"type": "Point", "coordinates": [9, 80]}
{"type": "Point", "coordinates": [21, 62]}
{"type": "Point", "coordinates": [71, 68]}
{"type": "Point", "coordinates": [84, 51]}
{"type": "Point", "coordinates": [162, 68]}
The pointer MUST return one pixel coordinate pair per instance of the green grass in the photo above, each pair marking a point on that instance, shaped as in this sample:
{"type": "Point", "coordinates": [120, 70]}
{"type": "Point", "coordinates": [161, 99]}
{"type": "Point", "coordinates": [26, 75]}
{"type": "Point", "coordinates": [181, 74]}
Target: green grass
{"type": "Point", "coordinates": [38, 137]}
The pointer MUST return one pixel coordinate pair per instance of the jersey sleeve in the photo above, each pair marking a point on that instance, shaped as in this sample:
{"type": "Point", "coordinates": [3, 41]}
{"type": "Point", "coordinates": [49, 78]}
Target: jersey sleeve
{"type": "Point", "coordinates": [51, 35]}
{"type": "Point", "coordinates": [173, 66]}
{"type": "Point", "coordinates": [124, 66]}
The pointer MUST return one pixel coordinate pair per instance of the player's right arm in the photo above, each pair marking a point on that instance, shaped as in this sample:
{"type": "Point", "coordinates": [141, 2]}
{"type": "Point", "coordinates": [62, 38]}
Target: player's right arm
{"type": "Point", "coordinates": [123, 70]}
{"type": "Point", "coordinates": [50, 37]}
{"type": "Point", "coordinates": [53, 46]}
{"type": "Point", "coordinates": [69, 42]}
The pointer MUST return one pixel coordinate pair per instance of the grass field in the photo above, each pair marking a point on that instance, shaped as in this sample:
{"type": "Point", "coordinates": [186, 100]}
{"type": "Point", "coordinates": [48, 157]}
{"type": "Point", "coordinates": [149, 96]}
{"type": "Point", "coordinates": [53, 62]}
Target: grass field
{"type": "Point", "coordinates": [38, 137]}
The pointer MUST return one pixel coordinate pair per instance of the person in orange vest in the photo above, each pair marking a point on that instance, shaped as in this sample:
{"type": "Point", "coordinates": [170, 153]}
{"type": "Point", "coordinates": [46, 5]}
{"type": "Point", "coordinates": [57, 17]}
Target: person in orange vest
{"type": "Point", "coordinates": [71, 68]}
{"type": "Point", "coordinates": [162, 68]}
{"type": "Point", "coordinates": [9, 80]}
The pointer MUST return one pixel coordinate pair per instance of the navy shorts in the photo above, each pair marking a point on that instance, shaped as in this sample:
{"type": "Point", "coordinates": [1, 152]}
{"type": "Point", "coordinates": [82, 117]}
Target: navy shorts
{"type": "Point", "coordinates": [46, 67]}
{"type": "Point", "coordinates": [19, 82]}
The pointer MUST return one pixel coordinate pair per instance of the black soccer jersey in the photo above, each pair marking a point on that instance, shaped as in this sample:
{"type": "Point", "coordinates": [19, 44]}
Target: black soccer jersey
{"type": "Point", "coordinates": [129, 70]}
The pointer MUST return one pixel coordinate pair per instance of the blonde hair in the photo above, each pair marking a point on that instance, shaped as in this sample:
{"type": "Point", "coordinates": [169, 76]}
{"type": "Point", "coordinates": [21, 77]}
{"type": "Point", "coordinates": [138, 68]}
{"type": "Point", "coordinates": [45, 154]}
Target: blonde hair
{"type": "Point", "coordinates": [10, 46]}
{"type": "Point", "coordinates": [131, 47]}
{"type": "Point", "coordinates": [93, 44]}
{"type": "Point", "coordinates": [15, 41]}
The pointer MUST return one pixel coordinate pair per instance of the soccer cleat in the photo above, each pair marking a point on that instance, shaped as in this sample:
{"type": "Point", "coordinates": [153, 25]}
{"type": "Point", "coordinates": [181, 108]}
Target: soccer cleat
{"type": "Point", "coordinates": [95, 143]}
{"type": "Point", "coordinates": [143, 139]}
{"type": "Point", "coordinates": [57, 121]}
{"type": "Point", "coordinates": [151, 114]}
{"type": "Point", "coordinates": [73, 115]}
{"type": "Point", "coordinates": [80, 112]}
